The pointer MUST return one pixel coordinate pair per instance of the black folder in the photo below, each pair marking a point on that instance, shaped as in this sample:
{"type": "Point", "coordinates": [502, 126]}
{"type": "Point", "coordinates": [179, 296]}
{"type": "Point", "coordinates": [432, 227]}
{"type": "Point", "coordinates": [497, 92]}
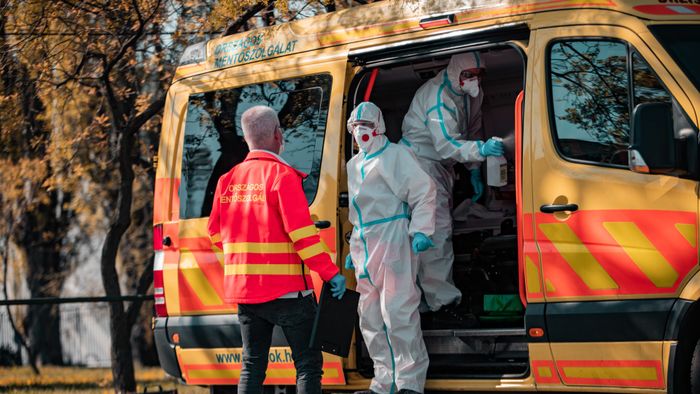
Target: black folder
{"type": "Point", "coordinates": [335, 321]}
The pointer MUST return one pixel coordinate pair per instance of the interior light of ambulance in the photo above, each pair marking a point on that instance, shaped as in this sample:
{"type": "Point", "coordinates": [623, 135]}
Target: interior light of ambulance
{"type": "Point", "coordinates": [176, 338]}
{"type": "Point", "coordinates": [435, 21]}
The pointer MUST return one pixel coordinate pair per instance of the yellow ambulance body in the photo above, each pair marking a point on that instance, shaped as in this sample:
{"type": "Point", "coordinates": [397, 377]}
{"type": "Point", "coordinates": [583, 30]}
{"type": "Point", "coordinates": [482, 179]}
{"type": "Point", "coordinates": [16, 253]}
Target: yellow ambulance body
{"type": "Point", "coordinates": [593, 256]}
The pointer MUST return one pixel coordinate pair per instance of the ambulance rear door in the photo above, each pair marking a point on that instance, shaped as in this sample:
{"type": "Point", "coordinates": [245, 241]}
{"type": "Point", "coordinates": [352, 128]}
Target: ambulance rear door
{"type": "Point", "coordinates": [306, 91]}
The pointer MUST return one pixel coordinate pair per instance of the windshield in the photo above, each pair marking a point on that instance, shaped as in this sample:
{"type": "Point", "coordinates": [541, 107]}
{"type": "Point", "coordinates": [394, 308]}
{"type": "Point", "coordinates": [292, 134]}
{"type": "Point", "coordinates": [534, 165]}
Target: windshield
{"type": "Point", "coordinates": [683, 44]}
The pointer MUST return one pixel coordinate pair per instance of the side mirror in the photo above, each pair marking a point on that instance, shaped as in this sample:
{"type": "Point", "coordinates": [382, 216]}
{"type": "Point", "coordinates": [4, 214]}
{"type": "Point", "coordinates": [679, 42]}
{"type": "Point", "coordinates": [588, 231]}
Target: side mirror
{"type": "Point", "coordinates": [653, 146]}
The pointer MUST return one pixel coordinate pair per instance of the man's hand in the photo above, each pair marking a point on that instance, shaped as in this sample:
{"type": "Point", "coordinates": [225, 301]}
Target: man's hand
{"type": "Point", "coordinates": [348, 262]}
{"type": "Point", "coordinates": [492, 147]}
{"type": "Point", "coordinates": [337, 286]}
{"type": "Point", "coordinates": [421, 242]}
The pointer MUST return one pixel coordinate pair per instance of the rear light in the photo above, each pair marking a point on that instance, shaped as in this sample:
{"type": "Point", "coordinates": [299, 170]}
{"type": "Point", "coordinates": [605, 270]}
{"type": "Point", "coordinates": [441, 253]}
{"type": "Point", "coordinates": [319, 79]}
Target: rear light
{"type": "Point", "coordinates": [158, 260]}
{"type": "Point", "coordinates": [436, 21]}
{"type": "Point", "coordinates": [536, 332]}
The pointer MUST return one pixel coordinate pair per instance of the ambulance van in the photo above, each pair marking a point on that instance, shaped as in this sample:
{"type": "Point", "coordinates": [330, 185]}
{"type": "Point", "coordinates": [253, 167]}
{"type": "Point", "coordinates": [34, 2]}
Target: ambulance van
{"type": "Point", "coordinates": [581, 273]}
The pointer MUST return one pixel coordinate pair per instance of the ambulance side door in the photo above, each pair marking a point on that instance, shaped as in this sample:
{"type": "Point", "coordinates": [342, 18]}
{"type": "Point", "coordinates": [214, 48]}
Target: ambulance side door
{"type": "Point", "coordinates": [616, 244]}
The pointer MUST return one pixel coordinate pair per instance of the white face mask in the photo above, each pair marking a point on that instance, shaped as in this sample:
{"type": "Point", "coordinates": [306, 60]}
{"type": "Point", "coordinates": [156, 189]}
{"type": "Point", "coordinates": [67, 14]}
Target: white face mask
{"type": "Point", "coordinates": [365, 137]}
{"type": "Point", "coordinates": [470, 86]}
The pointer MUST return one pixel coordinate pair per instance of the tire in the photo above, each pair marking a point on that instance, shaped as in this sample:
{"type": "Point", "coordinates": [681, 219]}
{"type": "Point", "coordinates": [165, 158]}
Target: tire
{"type": "Point", "coordinates": [695, 370]}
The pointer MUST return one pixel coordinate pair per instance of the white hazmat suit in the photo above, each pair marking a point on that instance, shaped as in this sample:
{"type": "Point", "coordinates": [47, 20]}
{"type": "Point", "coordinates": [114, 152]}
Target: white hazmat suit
{"type": "Point", "coordinates": [442, 127]}
{"type": "Point", "coordinates": [391, 200]}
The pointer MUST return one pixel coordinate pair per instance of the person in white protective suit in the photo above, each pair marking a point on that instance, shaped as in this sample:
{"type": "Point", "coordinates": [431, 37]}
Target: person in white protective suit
{"type": "Point", "coordinates": [392, 210]}
{"type": "Point", "coordinates": [443, 126]}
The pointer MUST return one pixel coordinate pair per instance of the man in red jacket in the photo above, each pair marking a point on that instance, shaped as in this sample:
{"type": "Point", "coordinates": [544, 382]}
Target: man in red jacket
{"type": "Point", "coordinates": [260, 218]}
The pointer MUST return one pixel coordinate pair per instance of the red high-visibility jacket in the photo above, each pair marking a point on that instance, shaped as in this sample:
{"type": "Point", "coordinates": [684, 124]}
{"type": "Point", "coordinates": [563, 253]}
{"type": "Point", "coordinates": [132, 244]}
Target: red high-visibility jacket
{"type": "Point", "coordinates": [261, 219]}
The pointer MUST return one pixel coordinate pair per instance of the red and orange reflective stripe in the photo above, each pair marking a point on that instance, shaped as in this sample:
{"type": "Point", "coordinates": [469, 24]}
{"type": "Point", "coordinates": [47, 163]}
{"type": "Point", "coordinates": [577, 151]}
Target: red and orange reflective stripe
{"type": "Point", "coordinates": [606, 253]}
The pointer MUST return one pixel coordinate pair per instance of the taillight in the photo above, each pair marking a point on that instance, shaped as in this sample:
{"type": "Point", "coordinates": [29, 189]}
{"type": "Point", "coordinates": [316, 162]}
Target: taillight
{"type": "Point", "coordinates": [158, 259]}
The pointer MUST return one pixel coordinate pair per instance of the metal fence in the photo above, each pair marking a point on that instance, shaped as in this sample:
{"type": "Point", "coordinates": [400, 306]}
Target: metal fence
{"type": "Point", "coordinates": [84, 330]}
{"type": "Point", "coordinates": [10, 348]}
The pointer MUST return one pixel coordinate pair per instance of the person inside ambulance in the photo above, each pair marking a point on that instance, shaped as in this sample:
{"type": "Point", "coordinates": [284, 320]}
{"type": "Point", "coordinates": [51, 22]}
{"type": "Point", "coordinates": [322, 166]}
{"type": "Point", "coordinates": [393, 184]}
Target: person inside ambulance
{"type": "Point", "coordinates": [443, 126]}
{"type": "Point", "coordinates": [393, 213]}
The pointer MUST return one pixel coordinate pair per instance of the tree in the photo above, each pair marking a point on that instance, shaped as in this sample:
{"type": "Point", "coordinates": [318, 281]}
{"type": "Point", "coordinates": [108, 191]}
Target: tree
{"type": "Point", "coordinates": [36, 219]}
{"type": "Point", "coordinates": [109, 57]}
{"type": "Point", "coordinates": [91, 77]}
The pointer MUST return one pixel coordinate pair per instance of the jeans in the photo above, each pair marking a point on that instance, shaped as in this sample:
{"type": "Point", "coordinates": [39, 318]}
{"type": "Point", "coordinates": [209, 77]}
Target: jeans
{"type": "Point", "coordinates": [296, 317]}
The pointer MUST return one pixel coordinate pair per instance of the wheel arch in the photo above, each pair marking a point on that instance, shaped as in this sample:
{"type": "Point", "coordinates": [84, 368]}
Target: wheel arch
{"type": "Point", "coordinates": [684, 328]}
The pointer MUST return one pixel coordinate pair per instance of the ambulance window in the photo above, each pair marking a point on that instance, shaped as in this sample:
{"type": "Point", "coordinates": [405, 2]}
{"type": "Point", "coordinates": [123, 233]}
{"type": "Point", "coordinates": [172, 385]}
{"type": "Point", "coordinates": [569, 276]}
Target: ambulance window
{"type": "Point", "coordinates": [214, 140]}
{"type": "Point", "coordinates": [683, 44]}
{"type": "Point", "coordinates": [647, 87]}
{"type": "Point", "coordinates": [590, 100]}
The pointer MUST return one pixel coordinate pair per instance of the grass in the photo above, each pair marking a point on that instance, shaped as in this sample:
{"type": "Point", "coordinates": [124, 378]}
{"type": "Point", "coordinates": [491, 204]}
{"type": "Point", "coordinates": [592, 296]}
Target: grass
{"type": "Point", "coordinates": [85, 380]}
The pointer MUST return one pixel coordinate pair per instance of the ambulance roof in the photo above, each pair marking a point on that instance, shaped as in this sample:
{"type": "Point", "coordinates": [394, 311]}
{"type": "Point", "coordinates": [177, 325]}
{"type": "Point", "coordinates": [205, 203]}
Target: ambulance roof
{"type": "Point", "coordinates": [389, 18]}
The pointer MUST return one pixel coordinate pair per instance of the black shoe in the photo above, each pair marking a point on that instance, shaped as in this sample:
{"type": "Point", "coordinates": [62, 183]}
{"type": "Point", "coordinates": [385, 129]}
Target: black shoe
{"type": "Point", "coordinates": [450, 317]}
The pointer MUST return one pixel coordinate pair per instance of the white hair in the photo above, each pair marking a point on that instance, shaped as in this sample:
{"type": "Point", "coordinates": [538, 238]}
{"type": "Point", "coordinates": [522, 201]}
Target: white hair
{"type": "Point", "coordinates": [259, 124]}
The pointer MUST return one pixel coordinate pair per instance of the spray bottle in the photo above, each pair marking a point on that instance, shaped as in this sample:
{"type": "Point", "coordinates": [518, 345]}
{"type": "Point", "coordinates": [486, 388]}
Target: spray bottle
{"type": "Point", "coordinates": [496, 169]}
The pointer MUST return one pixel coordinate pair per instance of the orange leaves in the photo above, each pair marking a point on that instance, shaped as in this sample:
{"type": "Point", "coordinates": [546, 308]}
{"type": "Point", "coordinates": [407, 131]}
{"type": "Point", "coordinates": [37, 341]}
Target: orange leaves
{"type": "Point", "coordinates": [20, 181]}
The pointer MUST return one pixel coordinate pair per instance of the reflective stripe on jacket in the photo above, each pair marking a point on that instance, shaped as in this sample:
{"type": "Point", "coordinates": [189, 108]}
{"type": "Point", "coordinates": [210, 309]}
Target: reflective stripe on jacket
{"type": "Point", "coordinates": [260, 218]}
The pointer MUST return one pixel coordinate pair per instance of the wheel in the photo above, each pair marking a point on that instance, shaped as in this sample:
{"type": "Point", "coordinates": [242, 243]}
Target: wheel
{"type": "Point", "coordinates": [695, 370]}
{"type": "Point", "coordinates": [223, 389]}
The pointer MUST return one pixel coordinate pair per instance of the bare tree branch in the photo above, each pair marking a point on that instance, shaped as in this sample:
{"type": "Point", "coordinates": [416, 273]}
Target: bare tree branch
{"type": "Point", "coordinates": [131, 42]}
{"type": "Point", "coordinates": [135, 4]}
{"type": "Point", "coordinates": [81, 8]}
{"type": "Point", "coordinates": [140, 119]}
{"type": "Point", "coordinates": [244, 18]}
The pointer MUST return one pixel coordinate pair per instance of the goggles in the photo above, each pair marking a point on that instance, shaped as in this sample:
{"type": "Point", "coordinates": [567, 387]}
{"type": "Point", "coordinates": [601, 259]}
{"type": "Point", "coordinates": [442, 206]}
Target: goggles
{"type": "Point", "coordinates": [471, 73]}
{"type": "Point", "coordinates": [365, 123]}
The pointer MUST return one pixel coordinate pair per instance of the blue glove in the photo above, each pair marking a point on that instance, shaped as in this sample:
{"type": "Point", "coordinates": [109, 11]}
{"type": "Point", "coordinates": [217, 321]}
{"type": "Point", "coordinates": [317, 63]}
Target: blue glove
{"type": "Point", "coordinates": [337, 286]}
{"type": "Point", "coordinates": [492, 147]}
{"type": "Point", "coordinates": [421, 242]}
{"type": "Point", "coordinates": [348, 262]}
{"type": "Point", "coordinates": [477, 184]}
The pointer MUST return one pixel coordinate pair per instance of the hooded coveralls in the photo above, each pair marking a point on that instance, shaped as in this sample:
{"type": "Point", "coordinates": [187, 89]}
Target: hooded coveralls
{"type": "Point", "coordinates": [442, 127]}
{"type": "Point", "coordinates": [392, 199]}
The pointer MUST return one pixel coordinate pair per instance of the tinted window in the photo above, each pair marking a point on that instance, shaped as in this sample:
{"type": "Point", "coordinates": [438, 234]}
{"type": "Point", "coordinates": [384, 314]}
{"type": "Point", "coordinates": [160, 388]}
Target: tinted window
{"type": "Point", "coordinates": [683, 44]}
{"type": "Point", "coordinates": [647, 87]}
{"type": "Point", "coordinates": [214, 139]}
{"type": "Point", "coordinates": [590, 100]}
{"type": "Point", "coordinates": [593, 94]}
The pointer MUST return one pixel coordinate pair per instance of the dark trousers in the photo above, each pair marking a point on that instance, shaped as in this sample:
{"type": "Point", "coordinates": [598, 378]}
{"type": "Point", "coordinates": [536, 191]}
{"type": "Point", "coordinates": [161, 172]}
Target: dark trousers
{"type": "Point", "coordinates": [296, 317]}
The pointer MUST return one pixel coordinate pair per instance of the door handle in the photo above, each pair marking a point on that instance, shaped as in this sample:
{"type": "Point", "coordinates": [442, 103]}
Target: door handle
{"type": "Point", "coordinates": [547, 208]}
{"type": "Point", "coordinates": [322, 224]}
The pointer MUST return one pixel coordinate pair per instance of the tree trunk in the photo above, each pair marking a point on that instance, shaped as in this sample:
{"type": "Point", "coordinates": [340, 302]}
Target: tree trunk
{"type": "Point", "coordinates": [120, 331]}
{"type": "Point", "coordinates": [5, 269]}
{"type": "Point", "coordinates": [40, 234]}
{"type": "Point", "coordinates": [42, 323]}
